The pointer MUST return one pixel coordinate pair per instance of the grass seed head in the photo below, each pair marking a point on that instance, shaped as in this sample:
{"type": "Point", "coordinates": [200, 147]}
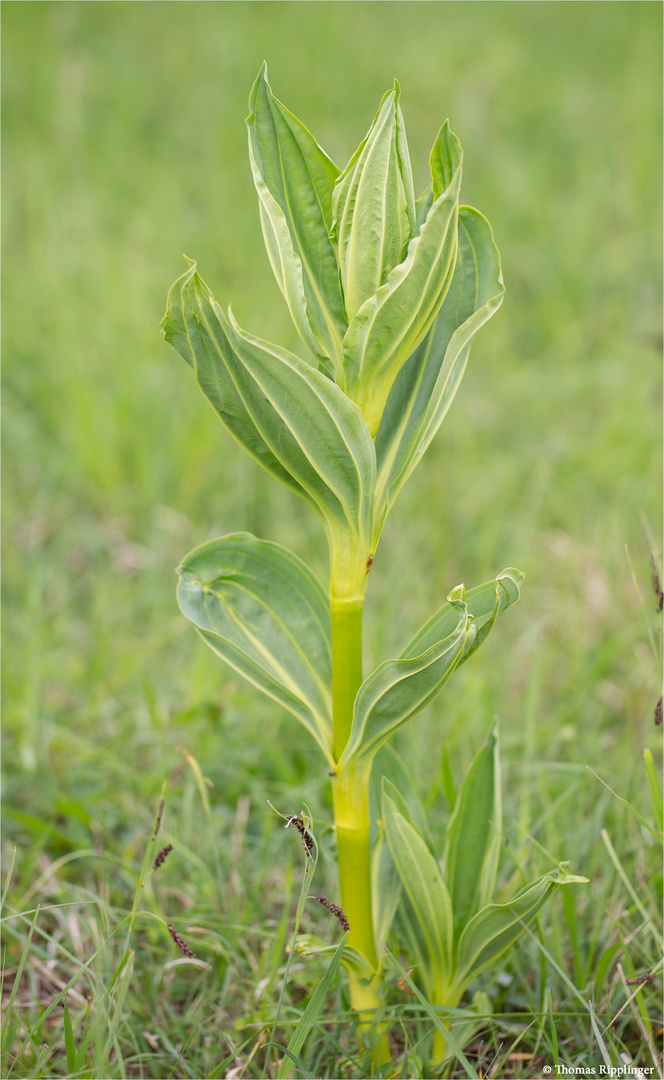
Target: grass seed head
{"type": "Point", "coordinates": [656, 583]}
{"type": "Point", "coordinates": [338, 912]}
{"type": "Point", "coordinates": [162, 856]}
{"type": "Point", "coordinates": [307, 838]}
{"type": "Point", "coordinates": [180, 942]}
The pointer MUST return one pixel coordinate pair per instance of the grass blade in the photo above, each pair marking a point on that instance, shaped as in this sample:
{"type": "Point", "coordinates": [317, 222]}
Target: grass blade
{"type": "Point", "coordinates": [17, 979]}
{"type": "Point", "coordinates": [632, 809]}
{"type": "Point", "coordinates": [600, 1041]}
{"type": "Point", "coordinates": [310, 1014]}
{"type": "Point", "coordinates": [70, 1045]}
{"type": "Point", "coordinates": [655, 790]}
{"type": "Point", "coordinates": [450, 1041]}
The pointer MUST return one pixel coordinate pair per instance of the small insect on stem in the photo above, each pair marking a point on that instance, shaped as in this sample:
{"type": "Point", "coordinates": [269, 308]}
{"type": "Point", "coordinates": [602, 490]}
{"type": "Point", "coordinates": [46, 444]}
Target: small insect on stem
{"type": "Point", "coordinates": [658, 712]}
{"type": "Point", "coordinates": [402, 984]}
{"type": "Point", "coordinates": [307, 838]}
{"type": "Point", "coordinates": [370, 562]}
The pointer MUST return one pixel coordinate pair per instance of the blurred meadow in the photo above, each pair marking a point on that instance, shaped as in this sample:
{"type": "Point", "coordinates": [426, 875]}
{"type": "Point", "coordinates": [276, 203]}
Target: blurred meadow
{"type": "Point", "coordinates": [125, 146]}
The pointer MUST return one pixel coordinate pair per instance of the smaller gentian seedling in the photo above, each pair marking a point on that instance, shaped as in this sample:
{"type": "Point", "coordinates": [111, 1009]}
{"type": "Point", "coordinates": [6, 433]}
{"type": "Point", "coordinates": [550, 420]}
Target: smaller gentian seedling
{"type": "Point", "coordinates": [387, 292]}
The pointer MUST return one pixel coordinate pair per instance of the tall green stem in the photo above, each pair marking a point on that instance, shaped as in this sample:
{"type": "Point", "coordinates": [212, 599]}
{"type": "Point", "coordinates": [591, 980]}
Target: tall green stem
{"type": "Point", "coordinates": [346, 666]}
{"type": "Point", "coordinates": [351, 797]}
{"type": "Point", "coordinates": [351, 787]}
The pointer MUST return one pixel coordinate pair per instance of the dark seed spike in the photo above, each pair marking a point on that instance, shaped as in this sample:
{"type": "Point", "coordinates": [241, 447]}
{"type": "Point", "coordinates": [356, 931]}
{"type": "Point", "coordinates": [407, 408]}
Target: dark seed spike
{"type": "Point", "coordinates": [307, 838]}
{"type": "Point", "coordinates": [656, 583]}
{"type": "Point", "coordinates": [338, 912]}
{"type": "Point", "coordinates": [160, 815]}
{"type": "Point", "coordinates": [658, 712]}
{"type": "Point", "coordinates": [162, 856]}
{"type": "Point", "coordinates": [180, 942]}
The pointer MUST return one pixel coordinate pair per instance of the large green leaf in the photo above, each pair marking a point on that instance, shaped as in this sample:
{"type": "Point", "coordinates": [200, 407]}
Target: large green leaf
{"type": "Point", "coordinates": [398, 689]}
{"type": "Point", "coordinates": [426, 384]}
{"type": "Point", "coordinates": [293, 419]}
{"type": "Point", "coordinates": [374, 206]}
{"type": "Point", "coordinates": [423, 884]}
{"type": "Point", "coordinates": [264, 612]}
{"type": "Point", "coordinates": [390, 325]}
{"type": "Point", "coordinates": [473, 836]}
{"type": "Point", "coordinates": [491, 932]}
{"type": "Point", "coordinates": [295, 179]}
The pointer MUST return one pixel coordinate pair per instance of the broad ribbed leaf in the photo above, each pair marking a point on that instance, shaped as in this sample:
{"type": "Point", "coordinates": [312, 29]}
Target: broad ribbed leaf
{"type": "Point", "coordinates": [260, 608]}
{"type": "Point", "coordinates": [422, 882]}
{"type": "Point", "coordinates": [491, 932]}
{"type": "Point", "coordinates": [399, 689]}
{"type": "Point", "coordinates": [264, 612]}
{"type": "Point", "coordinates": [295, 179]}
{"type": "Point", "coordinates": [391, 324]}
{"type": "Point", "coordinates": [374, 206]}
{"type": "Point", "coordinates": [473, 836]}
{"type": "Point", "coordinates": [190, 326]}
{"type": "Point", "coordinates": [426, 384]}
{"type": "Point", "coordinates": [294, 420]}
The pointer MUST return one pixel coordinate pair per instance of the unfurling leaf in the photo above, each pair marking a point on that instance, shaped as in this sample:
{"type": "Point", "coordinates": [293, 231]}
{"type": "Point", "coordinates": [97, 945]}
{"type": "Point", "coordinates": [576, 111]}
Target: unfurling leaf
{"type": "Point", "coordinates": [491, 932]}
{"type": "Point", "coordinates": [398, 689]}
{"type": "Point", "coordinates": [264, 612]}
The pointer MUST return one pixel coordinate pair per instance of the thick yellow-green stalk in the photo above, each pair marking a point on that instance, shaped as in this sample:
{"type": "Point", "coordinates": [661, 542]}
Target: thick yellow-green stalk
{"type": "Point", "coordinates": [350, 786]}
{"type": "Point", "coordinates": [351, 794]}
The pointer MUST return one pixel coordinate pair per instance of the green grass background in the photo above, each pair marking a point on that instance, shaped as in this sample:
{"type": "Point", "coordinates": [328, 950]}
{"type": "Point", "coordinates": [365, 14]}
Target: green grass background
{"type": "Point", "coordinates": [124, 146]}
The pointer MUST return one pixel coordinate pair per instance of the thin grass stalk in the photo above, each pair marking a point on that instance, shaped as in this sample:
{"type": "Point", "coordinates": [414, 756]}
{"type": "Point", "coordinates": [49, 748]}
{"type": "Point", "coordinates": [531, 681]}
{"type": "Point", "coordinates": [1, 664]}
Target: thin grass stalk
{"type": "Point", "coordinates": [311, 858]}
